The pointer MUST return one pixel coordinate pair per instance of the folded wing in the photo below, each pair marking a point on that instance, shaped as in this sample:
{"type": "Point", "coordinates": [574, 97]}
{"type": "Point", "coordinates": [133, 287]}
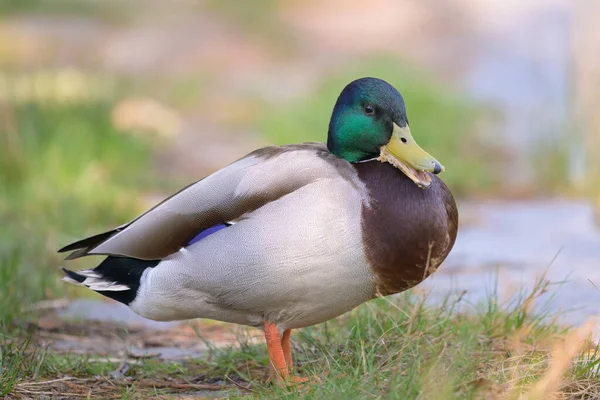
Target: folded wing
{"type": "Point", "coordinates": [227, 195]}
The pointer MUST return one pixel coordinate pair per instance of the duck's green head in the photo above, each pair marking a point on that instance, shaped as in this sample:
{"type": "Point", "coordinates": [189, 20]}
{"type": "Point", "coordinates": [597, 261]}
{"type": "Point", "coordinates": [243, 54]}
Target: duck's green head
{"type": "Point", "coordinates": [369, 121]}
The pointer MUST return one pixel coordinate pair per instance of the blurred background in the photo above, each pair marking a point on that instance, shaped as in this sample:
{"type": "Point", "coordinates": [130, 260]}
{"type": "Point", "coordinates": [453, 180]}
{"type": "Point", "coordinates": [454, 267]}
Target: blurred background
{"type": "Point", "coordinates": [108, 106]}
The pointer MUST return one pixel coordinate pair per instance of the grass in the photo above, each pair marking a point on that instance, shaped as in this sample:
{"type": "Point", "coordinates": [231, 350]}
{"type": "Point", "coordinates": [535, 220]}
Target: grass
{"type": "Point", "coordinates": [391, 348]}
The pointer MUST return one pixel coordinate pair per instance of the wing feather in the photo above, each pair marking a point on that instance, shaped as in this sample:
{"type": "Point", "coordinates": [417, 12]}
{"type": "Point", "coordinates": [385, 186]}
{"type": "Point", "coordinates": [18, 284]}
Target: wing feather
{"type": "Point", "coordinates": [242, 187]}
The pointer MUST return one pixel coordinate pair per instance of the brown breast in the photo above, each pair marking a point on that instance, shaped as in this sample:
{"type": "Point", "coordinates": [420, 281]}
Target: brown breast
{"type": "Point", "coordinates": [407, 231]}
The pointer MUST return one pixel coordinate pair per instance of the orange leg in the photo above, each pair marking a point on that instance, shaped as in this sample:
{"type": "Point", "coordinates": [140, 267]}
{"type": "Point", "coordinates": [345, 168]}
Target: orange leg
{"type": "Point", "coordinates": [279, 369]}
{"type": "Point", "coordinates": [280, 356]}
{"type": "Point", "coordinates": [287, 348]}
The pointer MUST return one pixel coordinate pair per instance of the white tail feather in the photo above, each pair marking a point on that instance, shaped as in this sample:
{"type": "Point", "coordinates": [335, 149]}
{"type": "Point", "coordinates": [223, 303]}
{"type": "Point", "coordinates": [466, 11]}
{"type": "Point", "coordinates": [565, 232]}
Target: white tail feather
{"type": "Point", "coordinates": [71, 280]}
{"type": "Point", "coordinates": [104, 285]}
{"type": "Point", "coordinates": [96, 282]}
{"type": "Point", "coordinates": [88, 273]}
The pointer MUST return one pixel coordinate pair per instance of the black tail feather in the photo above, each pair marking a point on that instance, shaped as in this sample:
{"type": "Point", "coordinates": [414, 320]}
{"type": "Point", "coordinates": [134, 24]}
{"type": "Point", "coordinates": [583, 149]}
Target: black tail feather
{"type": "Point", "coordinates": [120, 271]}
{"type": "Point", "coordinates": [74, 275]}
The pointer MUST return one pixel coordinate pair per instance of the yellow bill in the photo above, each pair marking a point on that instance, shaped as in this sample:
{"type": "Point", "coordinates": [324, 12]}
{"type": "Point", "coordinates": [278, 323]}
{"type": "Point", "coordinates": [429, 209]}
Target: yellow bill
{"type": "Point", "coordinates": [403, 152]}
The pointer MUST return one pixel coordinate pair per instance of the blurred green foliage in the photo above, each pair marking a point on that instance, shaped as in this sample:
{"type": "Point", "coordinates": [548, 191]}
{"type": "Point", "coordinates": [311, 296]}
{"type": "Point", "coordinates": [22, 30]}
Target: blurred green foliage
{"type": "Point", "coordinates": [7, 6]}
{"type": "Point", "coordinates": [442, 121]}
{"type": "Point", "coordinates": [64, 170]}
{"type": "Point", "coordinates": [107, 10]}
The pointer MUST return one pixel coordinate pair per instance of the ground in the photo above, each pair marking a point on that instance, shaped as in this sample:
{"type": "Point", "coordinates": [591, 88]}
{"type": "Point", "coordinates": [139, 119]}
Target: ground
{"type": "Point", "coordinates": [388, 348]}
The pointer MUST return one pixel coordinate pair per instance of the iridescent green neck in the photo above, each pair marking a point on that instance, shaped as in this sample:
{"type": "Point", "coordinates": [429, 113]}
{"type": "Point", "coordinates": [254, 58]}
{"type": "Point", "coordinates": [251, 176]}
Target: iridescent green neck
{"type": "Point", "coordinates": [349, 137]}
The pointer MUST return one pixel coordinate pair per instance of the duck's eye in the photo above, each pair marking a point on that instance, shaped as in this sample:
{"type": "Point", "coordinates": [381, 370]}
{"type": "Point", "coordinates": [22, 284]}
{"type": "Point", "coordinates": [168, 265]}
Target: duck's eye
{"type": "Point", "coordinates": [369, 109]}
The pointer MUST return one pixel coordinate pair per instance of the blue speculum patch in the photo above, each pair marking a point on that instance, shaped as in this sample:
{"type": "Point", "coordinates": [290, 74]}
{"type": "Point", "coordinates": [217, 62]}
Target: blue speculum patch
{"type": "Point", "coordinates": [207, 232]}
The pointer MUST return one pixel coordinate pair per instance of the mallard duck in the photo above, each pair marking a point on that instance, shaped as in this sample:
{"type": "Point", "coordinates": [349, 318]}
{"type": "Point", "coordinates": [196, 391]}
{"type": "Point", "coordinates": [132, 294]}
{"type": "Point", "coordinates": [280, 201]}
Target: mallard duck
{"type": "Point", "coordinates": [288, 236]}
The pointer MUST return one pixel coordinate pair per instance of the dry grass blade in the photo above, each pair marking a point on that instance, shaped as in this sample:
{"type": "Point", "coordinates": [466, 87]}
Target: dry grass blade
{"type": "Point", "coordinates": [103, 388]}
{"type": "Point", "coordinates": [171, 385]}
{"type": "Point", "coordinates": [53, 394]}
{"type": "Point", "coordinates": [25, 384]}
{"type": "Point", "coordinates": [561, 357]}
{"type": "Point", "coordinates": [247, 387]}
